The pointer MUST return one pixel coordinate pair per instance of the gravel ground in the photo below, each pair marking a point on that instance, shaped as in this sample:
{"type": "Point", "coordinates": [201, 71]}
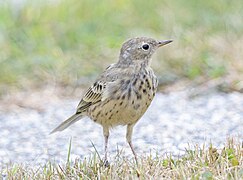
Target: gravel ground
{"type": "Point", "coordinates": [172, 121]}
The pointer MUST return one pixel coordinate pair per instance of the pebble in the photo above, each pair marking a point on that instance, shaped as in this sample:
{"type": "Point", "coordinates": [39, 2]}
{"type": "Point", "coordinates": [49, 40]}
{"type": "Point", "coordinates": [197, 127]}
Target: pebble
{"type": "Point", "coordinates": [172, 122]}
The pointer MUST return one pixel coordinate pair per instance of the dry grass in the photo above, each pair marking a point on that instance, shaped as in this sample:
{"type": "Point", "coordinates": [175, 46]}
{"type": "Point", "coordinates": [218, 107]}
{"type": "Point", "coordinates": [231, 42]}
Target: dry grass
{"type": "Point", "coordinates": [200, 163]}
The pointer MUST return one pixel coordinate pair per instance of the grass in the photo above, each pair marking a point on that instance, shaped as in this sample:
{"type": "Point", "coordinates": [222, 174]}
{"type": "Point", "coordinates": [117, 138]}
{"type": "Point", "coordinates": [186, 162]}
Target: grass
{"type": "Point", "coordinates": [71, 42]}
{"type": "Point", "coordinates": [199, 163]}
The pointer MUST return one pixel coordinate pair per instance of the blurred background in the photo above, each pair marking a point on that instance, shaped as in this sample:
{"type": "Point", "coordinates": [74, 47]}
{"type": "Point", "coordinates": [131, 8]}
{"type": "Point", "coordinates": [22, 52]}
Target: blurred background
{"type": "Point", "coordinates": [51, 50]}
{"type": "Point", "coordinates": [68, 43]}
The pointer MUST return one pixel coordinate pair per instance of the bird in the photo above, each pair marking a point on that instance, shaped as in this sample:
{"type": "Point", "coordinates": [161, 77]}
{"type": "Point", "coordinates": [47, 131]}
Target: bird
{"type": "Point", "coordinates": [123, 92]}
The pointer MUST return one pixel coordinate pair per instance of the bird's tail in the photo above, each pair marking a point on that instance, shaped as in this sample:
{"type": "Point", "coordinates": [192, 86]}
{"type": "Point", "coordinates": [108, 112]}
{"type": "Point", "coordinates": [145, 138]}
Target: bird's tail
{"type": "Point", "coordinates": [74, 118]}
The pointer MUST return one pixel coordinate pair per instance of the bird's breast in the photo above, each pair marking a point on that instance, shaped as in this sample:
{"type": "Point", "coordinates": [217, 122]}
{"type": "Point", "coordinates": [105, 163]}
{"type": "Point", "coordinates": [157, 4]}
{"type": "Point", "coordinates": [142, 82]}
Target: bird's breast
{"type": "Point", "coordinates": [126, 101]}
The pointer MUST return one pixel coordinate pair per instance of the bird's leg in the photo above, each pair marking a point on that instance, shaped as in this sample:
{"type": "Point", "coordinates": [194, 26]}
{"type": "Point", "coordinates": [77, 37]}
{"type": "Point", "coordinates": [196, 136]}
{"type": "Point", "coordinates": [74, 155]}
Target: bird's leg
{"type": "Point", "coordinates": [129, 140]}
{"type": "Point", "coordinates": [106, 135]}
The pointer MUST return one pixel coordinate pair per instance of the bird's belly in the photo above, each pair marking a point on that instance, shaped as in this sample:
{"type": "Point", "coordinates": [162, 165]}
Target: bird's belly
{"type": "Point", "coordinates": [113, 112]}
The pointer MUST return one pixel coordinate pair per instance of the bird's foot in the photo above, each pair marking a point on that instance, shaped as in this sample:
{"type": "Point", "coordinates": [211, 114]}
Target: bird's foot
{"type": "Point", "coordinates": [106, 163]}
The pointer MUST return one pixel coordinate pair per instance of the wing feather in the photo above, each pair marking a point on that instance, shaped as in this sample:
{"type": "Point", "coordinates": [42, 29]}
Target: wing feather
{"type": "Point", "coordinates": [92, 96]}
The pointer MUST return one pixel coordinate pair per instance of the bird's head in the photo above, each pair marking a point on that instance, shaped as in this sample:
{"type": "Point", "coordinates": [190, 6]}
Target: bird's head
{"type": "Point", "coordinates": [140, 49]}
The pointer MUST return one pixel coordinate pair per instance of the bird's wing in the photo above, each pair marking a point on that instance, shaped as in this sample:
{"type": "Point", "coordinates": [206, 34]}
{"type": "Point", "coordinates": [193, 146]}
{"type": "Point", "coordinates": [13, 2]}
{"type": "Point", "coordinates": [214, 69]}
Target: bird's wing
{"type": "Point", "coordinates": [92, 96]}
{"type": "Point", "coordinates": [98, 90]}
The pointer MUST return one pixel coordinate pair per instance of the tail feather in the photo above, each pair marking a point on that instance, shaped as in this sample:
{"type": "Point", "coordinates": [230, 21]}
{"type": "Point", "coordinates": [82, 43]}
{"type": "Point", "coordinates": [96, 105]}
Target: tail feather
{"type": "Point", "coordinates": [74, 118]}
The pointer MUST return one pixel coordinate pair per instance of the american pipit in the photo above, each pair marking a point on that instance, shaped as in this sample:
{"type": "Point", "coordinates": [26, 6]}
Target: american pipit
{"type": "Point", "coordinates": [123, 92]}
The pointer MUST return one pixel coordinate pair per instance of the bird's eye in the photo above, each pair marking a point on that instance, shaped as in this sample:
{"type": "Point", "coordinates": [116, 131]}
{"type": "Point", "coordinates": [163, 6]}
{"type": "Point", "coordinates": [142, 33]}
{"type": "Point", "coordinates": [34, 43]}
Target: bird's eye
{"type": "Point", "coordinates": [145, 47]}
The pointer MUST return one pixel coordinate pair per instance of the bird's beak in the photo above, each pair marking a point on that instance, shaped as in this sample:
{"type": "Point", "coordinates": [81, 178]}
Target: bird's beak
{"type": "Point", "coordinates": [162, 43]}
